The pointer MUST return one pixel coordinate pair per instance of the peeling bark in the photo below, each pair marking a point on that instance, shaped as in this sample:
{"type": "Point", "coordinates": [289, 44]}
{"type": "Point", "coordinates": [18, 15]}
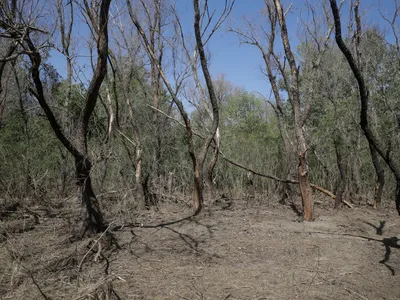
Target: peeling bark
{"type": "Point", "coordinates": [305, 189]}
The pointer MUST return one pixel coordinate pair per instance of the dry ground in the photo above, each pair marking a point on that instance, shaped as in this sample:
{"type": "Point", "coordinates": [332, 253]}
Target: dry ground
{"type": "Point", "coordinates": [237, 252]}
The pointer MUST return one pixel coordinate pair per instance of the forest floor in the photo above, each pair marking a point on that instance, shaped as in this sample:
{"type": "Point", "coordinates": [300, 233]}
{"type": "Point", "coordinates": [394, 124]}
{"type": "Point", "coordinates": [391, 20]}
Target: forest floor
{"type": "Point", "coordinates": [228, 252]}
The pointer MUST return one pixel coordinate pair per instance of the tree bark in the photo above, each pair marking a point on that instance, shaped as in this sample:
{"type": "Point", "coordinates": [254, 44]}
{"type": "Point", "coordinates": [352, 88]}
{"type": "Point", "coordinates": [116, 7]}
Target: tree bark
{"type": "Point", "coordinates": [92, 217]}
{"type": "Point", "coordinates": [342, 176]}
{"type": "Point", "coordinates": [299, 120]}
{"type": "Point", "coordinates": [211, 92]}
{"type": "Point", "coordinates": [372, 138]}
{"type": "Point", "coordinates": [197, 160]}
{"type": "Point", "coordinates": [278, 108]}
{"type": "Point", "coordinates": [380, 180]}
{"type": "Point", "coordinates": [213, 162]}
{"type": "Point", "coordinates": [12, 47]}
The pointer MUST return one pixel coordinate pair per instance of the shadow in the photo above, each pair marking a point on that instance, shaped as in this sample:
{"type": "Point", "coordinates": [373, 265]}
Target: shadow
{"type": "Point", "coordinates": [210, 228]}
{"type": "Point", "coordinates": [189, 240]}
{"type": "Point", "coordinates": [379, 229]}
{"type": "Point", "coordinates": [393, 242]}
{"type": "Point", "coordinates": [389, 243]}
{"type": "Point", "coordinates": [295, 209]}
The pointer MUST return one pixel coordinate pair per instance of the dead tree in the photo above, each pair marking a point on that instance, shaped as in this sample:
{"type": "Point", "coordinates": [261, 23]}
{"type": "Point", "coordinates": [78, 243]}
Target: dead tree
{"type": "Point", "coordinates": [93, 219]}
{"type": "Point", "coordinates": [299, 118]}
{"type": "Point", "coordinates": [379, 170]}
{"type": "Point", "coordinates": [210, 100]}
{"type": "Point", "coordinates": [372, 137]}
{"type": "Point", "coordinates": [7, 12]}
{"type": "Point", "coordinates": [271, 59]}
{"type": "Point", "coordinates": [197, 158]}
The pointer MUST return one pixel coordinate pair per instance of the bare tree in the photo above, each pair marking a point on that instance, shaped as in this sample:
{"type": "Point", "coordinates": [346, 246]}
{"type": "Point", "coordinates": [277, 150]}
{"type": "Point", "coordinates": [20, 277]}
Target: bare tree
{"type": "Point", "coordinates": [197, 158]}
{"type": "Point", "coordinates": [203, 100]}
{"type": "Point", "coordinates": [7, 13]}
{"type": "Point", "coordinates": [65, 26]}
{"type": "Point", "coordinates": [299, 118]}
{"type": "Point", "coordinates": [356, 68]}
{"type": "Point", "coordinates": [272, 61]}
{"type": "Point", "coordinates": [93, 218]}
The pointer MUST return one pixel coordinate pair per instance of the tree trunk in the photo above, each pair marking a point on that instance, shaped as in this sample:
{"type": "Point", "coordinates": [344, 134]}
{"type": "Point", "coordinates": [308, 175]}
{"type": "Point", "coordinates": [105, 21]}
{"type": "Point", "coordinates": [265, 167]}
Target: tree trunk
{"type": "Point", "coordinates": [299, 120]}
{"type": "Point", "coordinates": [212, 164]}
{"type": "Point", "coordinates": [63, 172]}
{"type": "Point", "coordinates": [380, 180]}
{"type": "Point", "coordinates": [93, 220]}
{"type": "Point", "coordinates": [198, 188]}
{"type": "Point", "coordinates": [198, 161]}
{"type": "Point", "coordinates": [398, 195]}
{"type": "Point", "coordinates": [356, 178]}
{"type": "Point", "coordinates": [342, 176]}
{"type": "Point", "coordinates": [304, 183]}
{"type": "Point", "coordinates": [287, 192]}
{"type": "Point", "coordinates": [372, 138]}
{"type": "Point", "coordinates": [9, 52]}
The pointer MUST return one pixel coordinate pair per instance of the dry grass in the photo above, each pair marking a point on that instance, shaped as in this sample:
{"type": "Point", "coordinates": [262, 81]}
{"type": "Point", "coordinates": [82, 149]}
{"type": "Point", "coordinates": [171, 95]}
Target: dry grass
{"type": "Point", "coordinates": [229, 252]}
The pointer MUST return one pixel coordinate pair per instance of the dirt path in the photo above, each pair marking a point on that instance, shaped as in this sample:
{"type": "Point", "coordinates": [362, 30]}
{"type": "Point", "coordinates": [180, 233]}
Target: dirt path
{"type": "Point", "coordinates": [243, 253]}
{"type": "Point", "coordinates": [264, 254]}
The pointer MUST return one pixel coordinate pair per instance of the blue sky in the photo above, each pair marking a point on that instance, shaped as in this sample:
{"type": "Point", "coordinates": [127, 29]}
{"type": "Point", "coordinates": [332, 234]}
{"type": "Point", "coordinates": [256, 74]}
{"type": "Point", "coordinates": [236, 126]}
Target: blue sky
{"type": "Point", "coordinates": [241, 64]}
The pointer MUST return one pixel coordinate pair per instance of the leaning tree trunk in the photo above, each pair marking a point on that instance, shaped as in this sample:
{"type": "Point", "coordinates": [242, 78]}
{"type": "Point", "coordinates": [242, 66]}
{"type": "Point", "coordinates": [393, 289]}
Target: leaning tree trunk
{"type": "Point", "coordinates": [372, 138]}
{"type": "Point", "coordinates": [93, 218]}
{"type": "Point", "coordinates": [299, 120]}
{"type": "Point", "coordinates": [290, 159]}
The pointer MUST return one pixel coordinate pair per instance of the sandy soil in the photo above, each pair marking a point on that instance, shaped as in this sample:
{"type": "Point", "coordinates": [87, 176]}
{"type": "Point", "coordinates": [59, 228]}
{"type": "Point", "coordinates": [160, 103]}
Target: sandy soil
{"type": "Point", "coordinates": [235, 252]}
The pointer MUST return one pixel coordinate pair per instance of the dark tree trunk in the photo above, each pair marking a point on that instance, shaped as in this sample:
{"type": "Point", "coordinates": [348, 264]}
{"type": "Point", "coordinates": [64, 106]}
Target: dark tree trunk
{"type": "Point", "coordinates": [342, 176]}
{"type": "Point", "coordinates": [198, 161]}
{"type": "Point", "coordinates": [372, 138]}
{"type": "Point", "coordinates": [380, 180]}
{"type": "Point", "coordinates": [398, 195]}
{"type": "Point", "coordinates": [93, 220]}
{"type": "Point", "coordinates": [213, 99]}
{"type": "Point", "coordinates": [9, 52]}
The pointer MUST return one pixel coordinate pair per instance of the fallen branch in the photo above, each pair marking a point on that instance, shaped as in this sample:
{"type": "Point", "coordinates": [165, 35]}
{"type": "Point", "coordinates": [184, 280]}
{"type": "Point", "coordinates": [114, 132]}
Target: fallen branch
{"type": "Point", "coordinates": [314, 186]}
{"type": "Point", "coordinates": [90, 249]}
{"type": "Point", "coordinates": [160, 225]}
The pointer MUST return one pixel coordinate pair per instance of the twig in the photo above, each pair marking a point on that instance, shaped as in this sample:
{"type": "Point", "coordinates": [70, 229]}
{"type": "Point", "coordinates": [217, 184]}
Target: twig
{"type": "Point", "coordinates": [129, 140]}
{"type": "Point", "coordinates": [96, 257]}
{"type": "Point", "coordinates": [160, 225]}
{"type": "Point", "coordinates": [90, 249]}
{"type": "Point", "coordinates": [29, 272]}
{"type": "Point", "coordinates": [37, 285]}
{"type": "Point", "coordinates": [355, 293]}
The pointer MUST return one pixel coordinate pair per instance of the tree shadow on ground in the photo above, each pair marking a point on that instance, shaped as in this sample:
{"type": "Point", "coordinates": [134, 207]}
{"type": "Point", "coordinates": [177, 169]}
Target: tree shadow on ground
{"type": "Point", "coordinates": [389, 243]}
{"type": "Point", "coordinates": [379, 229]}
{"type": "Point", "coordinates": [297, 211]}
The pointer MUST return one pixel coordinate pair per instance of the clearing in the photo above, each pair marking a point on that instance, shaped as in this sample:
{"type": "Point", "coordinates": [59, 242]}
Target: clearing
{"type": "Point", "coordinates": [228, 252]}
